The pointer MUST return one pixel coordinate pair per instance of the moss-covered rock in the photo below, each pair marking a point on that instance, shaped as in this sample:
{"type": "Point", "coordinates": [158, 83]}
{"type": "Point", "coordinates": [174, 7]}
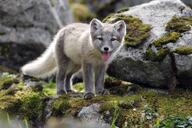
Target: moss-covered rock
{"type": "Point", "coordinates": [156, 56]}
{"type": "Point", "coordinates": [31, 104]}
{"type": "Point", "coordinates": [49, 89]}
{"type": "Point", "coordinates": [81, 12]}
{"type": "Point", "coordinates": [123, 10]}
{"type": "Point", "coordinates": [7, 80]}
{"type": "Point", "coordinates": [171, 37]}
{"type": "Point", "coordinates": [137, 31]}
{"type": "Point", "coordinates": [179, 24]}
{"type": "Point", "coordinates": [183, 50]}
{"type": "Point", "coordinates": [61, 105]}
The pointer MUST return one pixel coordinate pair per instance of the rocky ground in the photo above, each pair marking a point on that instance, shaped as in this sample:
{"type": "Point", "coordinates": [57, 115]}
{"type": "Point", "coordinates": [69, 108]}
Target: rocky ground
{"type": "Point", "coordinates": [33, 102]}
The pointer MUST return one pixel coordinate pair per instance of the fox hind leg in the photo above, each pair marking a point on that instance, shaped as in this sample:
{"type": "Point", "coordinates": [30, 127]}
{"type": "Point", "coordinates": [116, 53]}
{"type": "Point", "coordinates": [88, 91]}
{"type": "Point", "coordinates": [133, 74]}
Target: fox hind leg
{"type": "Point", "coordinates": [62, 63]}
{"type": "Point", "coordinates": [71, 69]}
{"type": "Point", "coordinates": [61, 76]}
{"type": "Point", "coordinates": [60, 81]}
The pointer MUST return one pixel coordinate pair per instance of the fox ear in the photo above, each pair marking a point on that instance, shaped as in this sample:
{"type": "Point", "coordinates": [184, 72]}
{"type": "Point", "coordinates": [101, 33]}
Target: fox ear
{"type": "Point", "coordinates": [120, 27]}
{"type": "Point", "coordinates": [95, 25]}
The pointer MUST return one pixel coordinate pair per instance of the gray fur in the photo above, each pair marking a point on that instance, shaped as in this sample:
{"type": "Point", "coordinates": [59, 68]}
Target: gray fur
{"type": "Point", "coordinates": [99, 78]}
{"type": "Point", "coordinates": [62, 63]}
{"type": "Point", "coordinates": [88, 77]}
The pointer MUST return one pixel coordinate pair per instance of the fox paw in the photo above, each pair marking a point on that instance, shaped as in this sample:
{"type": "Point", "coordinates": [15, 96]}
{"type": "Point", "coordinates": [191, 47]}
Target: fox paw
{"type": "Point", "coordinates": [103, 92]}
{"type": "Point", "coordinates": [61, 92]}
{"type": "Point", "coordinates": [88, 95]}
{"type": "Point", "coordinates": [70, 91]}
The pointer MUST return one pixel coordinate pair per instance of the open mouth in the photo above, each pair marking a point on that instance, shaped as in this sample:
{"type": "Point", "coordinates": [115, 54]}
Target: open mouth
{"type": "Point", "coordinates": [106, 55]}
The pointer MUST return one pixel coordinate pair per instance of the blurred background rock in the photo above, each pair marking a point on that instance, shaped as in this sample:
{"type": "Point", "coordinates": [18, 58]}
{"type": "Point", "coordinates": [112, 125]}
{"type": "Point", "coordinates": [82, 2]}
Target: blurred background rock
{"type": "Point", "coordinates": [27, 27]}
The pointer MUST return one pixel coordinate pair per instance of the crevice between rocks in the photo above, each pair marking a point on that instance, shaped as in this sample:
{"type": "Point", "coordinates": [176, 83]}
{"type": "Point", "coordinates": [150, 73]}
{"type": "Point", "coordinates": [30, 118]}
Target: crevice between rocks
{"type": "Point", "coordinates": [173, 80]}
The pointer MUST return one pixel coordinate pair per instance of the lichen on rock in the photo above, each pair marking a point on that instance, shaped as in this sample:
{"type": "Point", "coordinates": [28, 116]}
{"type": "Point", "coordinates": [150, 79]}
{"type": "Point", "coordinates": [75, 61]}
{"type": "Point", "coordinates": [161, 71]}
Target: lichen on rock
{"type": "Point", "coordinates": [60, 106]}
{"type": "Point", "coordinates": [176, 26]}
{"type": "Point", "coordinates": [122, 10]}
{"type": "Point", "coordinates": [156, 56]}
{"type": "Point", "coordinates": [183, 50]}
{"type": "Point", "coordinates": [179, 24]}
{"type": "Point", "coordinates": [171, 37]}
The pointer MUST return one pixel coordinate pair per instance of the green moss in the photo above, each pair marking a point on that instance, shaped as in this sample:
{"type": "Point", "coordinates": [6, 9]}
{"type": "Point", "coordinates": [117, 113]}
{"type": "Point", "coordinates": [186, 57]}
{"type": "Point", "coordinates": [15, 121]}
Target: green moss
{"type": "Point", "coordinates": [137, 31]}
{"type": "Point", "coordinates": [7, 80]}
{"type": "Point", "coordinates": [123, 10]}
{"type": "Point", "coordinates": [179, 24]}
{"type": "Point", "coordinates": [150, 54]}
{"type": "Point", "coordinates": [183, 50]}
{"type": "Point", "coordinates": [108, 105]}
{"type": "Point", "coordinates": [156, 56]}
{"type": "Point", "coordinates": [79, 87]}
{"type": "Point", "coordinates": [49, 89]}
{"type": "Point", "coordinates": [167, 38]}
{"type": "Point", "coordinates": [31, 104]}
{"type": "Point", "coordinates": [9, 103]}
{"type": "Point", "coordinates": [111, 15]}
{"type": "Point", "coordinates": [161, 52]}
{"type": "Point", "coordinates": [81, 12]}
{"type": "Point", "coordinates": [61, 105]}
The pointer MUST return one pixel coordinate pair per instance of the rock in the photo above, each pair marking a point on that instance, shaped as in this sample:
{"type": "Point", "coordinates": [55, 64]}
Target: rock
{"type": "Point", "coordinates": [29, 25]}
{"type": "Point", "coordinates": [91, 114]}
{"type": "Point", "coordinates": [165, 67]}
{"type": "Point", "coordinates": [104, 7]}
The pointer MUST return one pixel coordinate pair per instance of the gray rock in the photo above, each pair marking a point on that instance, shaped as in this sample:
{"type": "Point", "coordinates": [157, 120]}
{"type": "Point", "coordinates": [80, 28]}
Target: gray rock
{"type": "Point", "coordinates": [183, 62]}
{"type": "Point", "coordinates": [130, 63]}
{"type": "Point", "coordinates": [31, 23]}
{"type": "Point", "coordinates": [102, 8]}
{"type": "Point", "coordinates": [91, 116]}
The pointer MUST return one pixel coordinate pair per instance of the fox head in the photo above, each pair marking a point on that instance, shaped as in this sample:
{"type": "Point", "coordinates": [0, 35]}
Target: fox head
{"type": "Point", "coordinates": [107, 38]}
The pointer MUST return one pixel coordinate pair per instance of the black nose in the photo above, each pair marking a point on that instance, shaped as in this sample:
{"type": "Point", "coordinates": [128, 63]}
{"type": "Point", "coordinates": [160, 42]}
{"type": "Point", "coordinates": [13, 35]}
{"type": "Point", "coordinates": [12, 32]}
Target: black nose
{"type": "Point", "coordinates": [106, 49]}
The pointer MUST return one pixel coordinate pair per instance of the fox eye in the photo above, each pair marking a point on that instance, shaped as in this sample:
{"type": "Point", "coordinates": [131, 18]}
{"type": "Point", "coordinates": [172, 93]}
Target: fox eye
{"type": "Point", "coordinates": [113, 39]}
{"type": "Point", "coordinates": [99, 38]}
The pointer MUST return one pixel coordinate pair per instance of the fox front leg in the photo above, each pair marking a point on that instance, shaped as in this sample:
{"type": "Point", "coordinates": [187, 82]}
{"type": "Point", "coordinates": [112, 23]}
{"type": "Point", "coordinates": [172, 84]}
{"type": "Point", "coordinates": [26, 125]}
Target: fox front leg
{"type": "Point", "coordinates": [88, 80]}
{"type": "Point", "coordinates": [99, 80]}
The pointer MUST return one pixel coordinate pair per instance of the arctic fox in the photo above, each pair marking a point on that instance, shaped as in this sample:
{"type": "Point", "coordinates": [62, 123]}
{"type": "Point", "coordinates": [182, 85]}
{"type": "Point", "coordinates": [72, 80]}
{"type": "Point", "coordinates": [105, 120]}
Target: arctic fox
{"type": "Point", "coordinates": [89, 47]}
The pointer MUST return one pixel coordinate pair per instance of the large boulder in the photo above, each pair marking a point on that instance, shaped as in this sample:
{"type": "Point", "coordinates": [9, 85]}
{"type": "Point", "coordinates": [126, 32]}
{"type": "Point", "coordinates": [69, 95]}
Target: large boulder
{"type": "Point", "coordinates": [163, 59]}
{"type": "Point", "coordinates": [104, 7]}
{"type": "Point", "coordinates": [28, 26]}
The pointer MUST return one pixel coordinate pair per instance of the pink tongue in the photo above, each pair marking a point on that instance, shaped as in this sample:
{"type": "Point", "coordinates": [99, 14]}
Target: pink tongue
{"type": "Point", "coordinates": [105, 56]}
